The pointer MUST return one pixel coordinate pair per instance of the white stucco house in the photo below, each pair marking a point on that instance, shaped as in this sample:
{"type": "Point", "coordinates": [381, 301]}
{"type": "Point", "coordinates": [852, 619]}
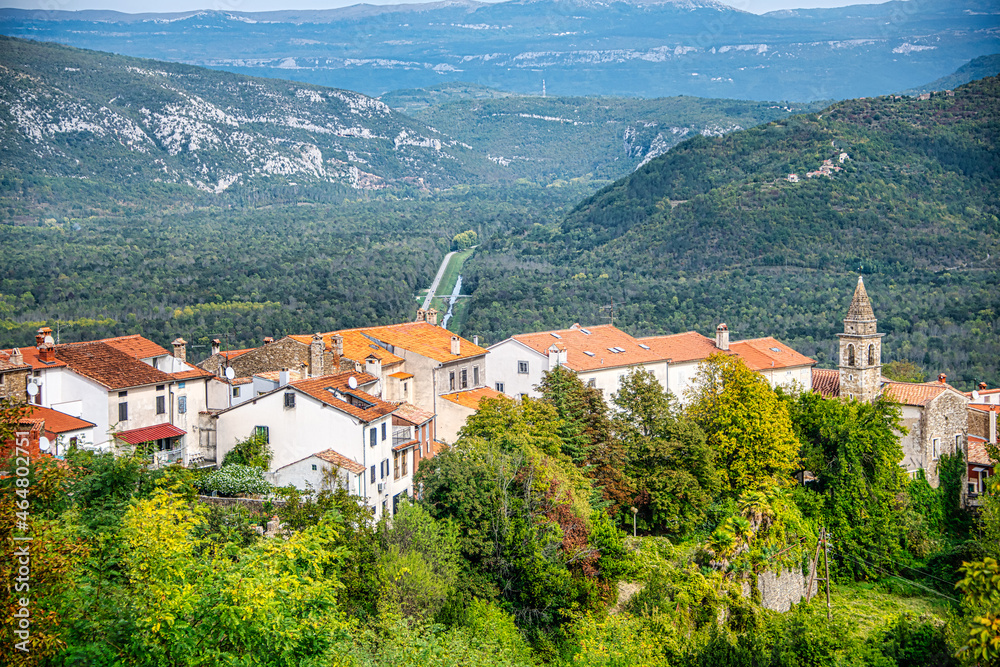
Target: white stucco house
{"type": "Point", "coordinates": [332, 423]}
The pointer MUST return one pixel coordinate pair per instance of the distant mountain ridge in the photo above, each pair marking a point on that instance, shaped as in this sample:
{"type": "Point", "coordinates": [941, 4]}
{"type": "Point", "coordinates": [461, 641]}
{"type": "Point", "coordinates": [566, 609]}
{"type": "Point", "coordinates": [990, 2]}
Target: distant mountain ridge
{"type": "Point", "coordinates": [570, 47]}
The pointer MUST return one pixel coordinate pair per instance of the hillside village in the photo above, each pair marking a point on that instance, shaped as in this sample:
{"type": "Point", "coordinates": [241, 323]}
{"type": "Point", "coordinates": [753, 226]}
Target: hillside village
{"type": "Point", "coordinates": [368, 406]}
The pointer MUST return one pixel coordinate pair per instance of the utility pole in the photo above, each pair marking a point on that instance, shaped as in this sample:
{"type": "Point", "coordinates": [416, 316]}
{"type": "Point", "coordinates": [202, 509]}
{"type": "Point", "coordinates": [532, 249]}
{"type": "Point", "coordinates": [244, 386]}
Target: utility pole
{"type": "Point", "coordinates": [634, 512]}
{"type": "Point", "coordinates": [826, 563]}
{"type": "Point", "coordinates": [611, 311]}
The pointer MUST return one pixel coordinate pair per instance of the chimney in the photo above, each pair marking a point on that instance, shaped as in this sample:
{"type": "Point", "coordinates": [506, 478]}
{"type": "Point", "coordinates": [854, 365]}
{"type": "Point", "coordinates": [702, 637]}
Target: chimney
{"type": "Point", "coordinates": [268, 340]}
{"type": "Point", "coordinates": [337, 345]}
{"type": "Point", "coordinates": [475, 340]}
{"type": "Point", "coordinates": [982, 386]}
{"type": "Point", "coordinates": [432, 316]}
{"type": "Point", "coordinates": [16, 357]}
{"type": "Point", "coordinates": [283, 377]}
{"type": "Point", "coordinates": [456, 345]}
{"type": "Point", "coordinates": [46, 345]}
{"type": "Point", "coordinates": [722, 337]}
{"type": "Point", "coordinates": [557, 356]}
{"type": "Point", "coordinates": [421, 315]}
{"type": "Point", "coordinates": [216, 346]}
{"type": "Point", "coordinates": [316, 355]}
{"type": "Point", "coordinates": [180, 349]}
{"type": "Point", "coordinates": [373, 365]}
{"type": "Point", "coordinates": [942, 377]}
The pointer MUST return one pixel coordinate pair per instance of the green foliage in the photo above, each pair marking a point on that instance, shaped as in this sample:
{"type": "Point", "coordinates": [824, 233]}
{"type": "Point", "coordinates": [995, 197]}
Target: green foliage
{"type": "Point", "coordinates": [989, 516]}
{"type": "Point", "coordinates": [903, 371]}
{"type": "Point", "coordinates": [235, 480]}
{"type": "Point", "coordinates": [980, 588]}
{"type": "Point", "coordinates": [465, 240]}
{"type": "Point", "coordinates": [745, 422]}
{"type": "Point", "coordinates": [672, 466]}
{"type": "Point", "coordinates": [253, 451]}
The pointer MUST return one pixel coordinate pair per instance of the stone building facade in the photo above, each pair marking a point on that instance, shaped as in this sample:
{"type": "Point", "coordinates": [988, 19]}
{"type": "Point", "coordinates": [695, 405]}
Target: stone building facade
{"type": "Point", "coordinates": [14, 374]}
{"type": "Point", "coordinates": [860, 349]}
{"type": "Point", "coordinates": [312, 358]}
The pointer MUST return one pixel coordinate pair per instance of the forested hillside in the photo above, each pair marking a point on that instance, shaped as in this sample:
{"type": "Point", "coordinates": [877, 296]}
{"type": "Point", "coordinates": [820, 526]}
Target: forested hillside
{"type": "Point", "coordinates": [717, 230]}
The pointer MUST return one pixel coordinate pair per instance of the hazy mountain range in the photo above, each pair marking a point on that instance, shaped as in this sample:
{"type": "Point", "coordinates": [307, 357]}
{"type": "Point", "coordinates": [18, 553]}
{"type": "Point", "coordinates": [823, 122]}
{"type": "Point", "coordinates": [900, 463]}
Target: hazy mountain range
{"type": "Point", "coordinates": [564, 47]}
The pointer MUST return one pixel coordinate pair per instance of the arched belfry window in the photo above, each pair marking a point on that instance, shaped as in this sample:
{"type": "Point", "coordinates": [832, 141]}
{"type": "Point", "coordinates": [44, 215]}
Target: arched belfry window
{"type": "Point", "coordinates": [871, 355]}
{"type": "Point", "coordinates": [850, 355]}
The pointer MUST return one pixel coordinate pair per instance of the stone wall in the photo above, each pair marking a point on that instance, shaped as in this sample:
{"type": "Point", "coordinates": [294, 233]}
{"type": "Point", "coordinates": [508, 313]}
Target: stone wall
{"type": "Point", "coordinates": [285, 353]}
{"type": "Point", "coordinates": [979, 423]}
{"type": "Point", "coordinates": [946, 417]}
{"type": "Point", "coordinates": [779, 591]}
{"type": "Point", "coordinates": [15, 384]}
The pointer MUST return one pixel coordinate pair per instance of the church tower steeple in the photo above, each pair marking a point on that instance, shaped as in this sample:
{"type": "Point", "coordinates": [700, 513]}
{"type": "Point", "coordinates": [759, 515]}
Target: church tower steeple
{"type": "Point", "coordinates": [860, 349]}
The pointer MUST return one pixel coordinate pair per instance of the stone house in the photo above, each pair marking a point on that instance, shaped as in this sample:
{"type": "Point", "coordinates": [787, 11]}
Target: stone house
{"type": "Point", "coordinates": [934, 414]}
{"type": "Point", "coordinates": [982, 430]}
{"type": "Point", "coordinates": [14, 374]}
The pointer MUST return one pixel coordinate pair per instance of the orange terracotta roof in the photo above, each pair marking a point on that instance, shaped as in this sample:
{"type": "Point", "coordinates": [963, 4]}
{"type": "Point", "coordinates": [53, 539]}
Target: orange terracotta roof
{"type": "Point", "coordinates": [915, 393]}
{"type": "Point", "coordinates": [978, 453]}
{"type": "Point", "coordinates": [761, 354]}
{"type": "Point", "coordinates": [232, 354]}
{"type": "Point", "coordinates": [598, 341]}
{"type": "Point", "coordinates": [412, 414]}
{"type": "Point", "coordinates": [982, 407]}
{"type": "Point", "coordinates": [135, 346]}
{"type": "Point", "coordinates": [109, 366]}
{"type": "Point", "coordinates": [321, 388]}
{"type": "Point", "coordinates": [472, 397]}
{"type": "Point", "coordinates": [401, 375]}
{"type": "Point", "coordinates": [826, 381]}
{"type": "Point", "coordinates": [340, 461]}
{"type": "Point", "coordinates": [425, 339]}
{"type": "Point", "coordinates": [982, 392]}
{"type": "Point", "coordinates": [6, 364]}
{"type": "Point", "coordinates": [58, 422]}
{"type": "Point", "coordinates": [405, 445]}
{"type": "Point", "coordinates": [356, 346]}
{"type": "Point", "coordinates": [244, 380]}
{"type": "Point", "coordinates": [30, 355]}
{"type": "Point", "coordinates": [681, 347]}
{"type": "Point", "coordinates": [192, 374]}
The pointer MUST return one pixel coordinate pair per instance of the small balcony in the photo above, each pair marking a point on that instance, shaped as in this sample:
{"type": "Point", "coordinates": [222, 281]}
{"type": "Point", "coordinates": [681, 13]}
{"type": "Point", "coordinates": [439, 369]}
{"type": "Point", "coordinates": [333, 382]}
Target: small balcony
{"type": "Point", "coordinates": [401, 434]}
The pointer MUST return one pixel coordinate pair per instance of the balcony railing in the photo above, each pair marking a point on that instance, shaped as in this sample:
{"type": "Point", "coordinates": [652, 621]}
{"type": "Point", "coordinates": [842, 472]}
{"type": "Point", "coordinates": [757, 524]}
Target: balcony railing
{"type": "Point", "coordinates": [401, 434]}
{"type": "Point", "coordinates": [166, 457]}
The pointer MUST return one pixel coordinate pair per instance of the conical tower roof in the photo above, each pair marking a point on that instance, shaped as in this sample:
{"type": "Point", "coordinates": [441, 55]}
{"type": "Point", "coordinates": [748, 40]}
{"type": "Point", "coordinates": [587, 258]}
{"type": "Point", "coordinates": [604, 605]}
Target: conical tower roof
{"type": "Point", "coordinates": [861, 307]}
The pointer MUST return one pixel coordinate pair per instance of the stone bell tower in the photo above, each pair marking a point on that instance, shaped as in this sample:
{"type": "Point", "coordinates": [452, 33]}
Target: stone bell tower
{"type": "Point", "coordinates": [860, 349]}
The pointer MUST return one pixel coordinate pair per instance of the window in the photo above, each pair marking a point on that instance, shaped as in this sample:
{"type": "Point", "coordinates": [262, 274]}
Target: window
{"type": "Point", "coordinates": [383, 430]}
{"type": "Point", "coordinates": [475, 376]}
{"type": "Point", "coordinates": [373, 473]}
{"type": "Point", "coordinates": [161, 404]}
{"type": "Point", "coordinates": [465, 378]}
{"type": "Point", "coordinates": [123, 412]}
{"type": "Point", "coordinates": [372, 436]}
{"type": "Point", "coordinates": [236, 392]}
{"type": "Point", "coordinates": [406, 389]}
{"type": "Point", "coordinates": [935, 448]}
{"type": "Point", "coordinates": [395, 465]}
{"type": "Point", "coordinates": [592, 382]}
{"type": "Point", "coordinates": [385, 468]}
{"type": "Point", "coordinates": [122, 394]}
{"type": "Point", "coordinates": [499, 386]}
{"type": "Point", "coordinates": [161, 387]}
{"type": "Point", "coordinates": [871, 355]}
{"type": "Point", "coordinates": [958, 442]}
{"type": "Point", "coordinates": [182, 405]}
{"type": "Point", "coordinates": [181, 384]}
{"type": "Point", "coordinates": [451, 380]}
{"type": "Point", "coordinates": [522, 367]}
{"type": "Point", "coordinates": [72, 442]}
{"type": "Point", "coordinates": [850, 355]}
{"type": "Point", "coordinates": [314, 466]}
{"type": "Point", "coordinates": [262, 432]}
{"type": "Point", "coordinates": [405, 456]}
{"type": "Point", "coordinates": [290, 399]}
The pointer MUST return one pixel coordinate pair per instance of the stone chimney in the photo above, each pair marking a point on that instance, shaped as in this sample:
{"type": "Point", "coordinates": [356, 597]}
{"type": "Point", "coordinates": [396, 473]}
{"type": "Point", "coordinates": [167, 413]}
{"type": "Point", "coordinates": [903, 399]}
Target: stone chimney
{"type": "Point", "coordinates": [722, 337]}
{"type": "Point", "coordinates": [180, 349]}
{"type": "Point", "coordinates": [337, 345]}
{"type": "Point", "coordinates": [316, 355]}
{"type": "Point", "coordinates": [421, 315]}
{"type": "Point", "coordinates": [16, 357]}
{"type": "Point", "coordinates": [942, 378]}
{"type": "Point", "coordinates": [982, 385]}
{"type": "Point", "coordinates": [268, 340]}
{"type": "Point", "coordinates": [456, 345]}
{"type": "Point", "coordinates": [283, 377]}
{"type": "Point", "coordinates": [432, 316]}
{"type": "Point", "coordinates": [216, 346]}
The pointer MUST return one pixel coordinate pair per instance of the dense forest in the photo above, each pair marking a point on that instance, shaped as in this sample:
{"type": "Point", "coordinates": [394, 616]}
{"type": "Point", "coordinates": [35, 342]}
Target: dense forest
{"type": "Point", "coordinates": [518, 551]}
{"type": "Point", "coordinates": [717, 230]}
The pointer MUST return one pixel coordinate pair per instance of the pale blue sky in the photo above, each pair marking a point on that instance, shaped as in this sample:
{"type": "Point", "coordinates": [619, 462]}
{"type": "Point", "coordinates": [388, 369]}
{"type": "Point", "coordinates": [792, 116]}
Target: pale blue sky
{"type": "Point", "coordinates": [137, 6]}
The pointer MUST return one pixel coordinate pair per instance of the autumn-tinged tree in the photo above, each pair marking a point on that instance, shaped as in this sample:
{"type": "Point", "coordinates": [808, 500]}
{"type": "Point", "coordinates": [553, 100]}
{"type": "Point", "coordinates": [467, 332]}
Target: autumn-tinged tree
{"type": "Point", "coordinates": [668, 459]}
{"type": "Point", "coordinates": [746, 424]}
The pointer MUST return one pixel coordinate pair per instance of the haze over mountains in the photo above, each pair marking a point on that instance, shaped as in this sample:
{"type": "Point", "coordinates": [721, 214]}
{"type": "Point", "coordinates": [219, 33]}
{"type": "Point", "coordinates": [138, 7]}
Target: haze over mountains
{"type": "Point", "coordinates": [565, 47]}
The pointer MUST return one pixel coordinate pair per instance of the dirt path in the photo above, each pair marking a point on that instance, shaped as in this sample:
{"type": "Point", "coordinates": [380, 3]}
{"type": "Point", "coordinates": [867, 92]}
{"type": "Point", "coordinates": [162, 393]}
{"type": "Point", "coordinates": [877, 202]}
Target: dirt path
{"type": "Point", "coordinates": [437, 279]}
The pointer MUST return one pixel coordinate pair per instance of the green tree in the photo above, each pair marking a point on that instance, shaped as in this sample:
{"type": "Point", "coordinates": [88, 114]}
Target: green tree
{"type": "Point", "coordinates": [746, 424]}
{"type": "Point", "coordinates": [253, 450]}
{"type": "Point", "coordinates": [672, 466]}
{"type": "Point", "coordinates": [903, 371]}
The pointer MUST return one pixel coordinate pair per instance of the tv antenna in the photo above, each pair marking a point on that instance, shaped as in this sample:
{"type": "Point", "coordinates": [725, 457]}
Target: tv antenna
{"type": "Point", "coordinates": [610, 310]}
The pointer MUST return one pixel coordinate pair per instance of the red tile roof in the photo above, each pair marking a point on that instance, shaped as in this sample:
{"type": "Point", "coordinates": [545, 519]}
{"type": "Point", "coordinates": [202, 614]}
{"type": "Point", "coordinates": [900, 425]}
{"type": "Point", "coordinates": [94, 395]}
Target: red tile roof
{"type": "Point", "coordinates": [135, 346]}
{"type": "Point", "coordinates": [109, 366]}
{"type": "Point", "coordinates": [192, 374]}
{"type": "Point", "coordinates": [687, 346]}
{"type": "Point", "coordinates": [472, 397]}
{"type": "Point", "coordinates": [232, 354]}
{"type": "Point", "coordinates": [138, 436]}
{"type": "Point", "coordinates": [978, 453]}
{"type": "Point", "coordinates": [321, 388]}
{"type": "Point", "coordinates": [914, 393]}
{"type": "Point", "coordinates": [58, 422]}
{"type": "Point", "coordinates": [340, 461]}
{"type": "Point", "coordinates": [826, 381]}
{"type": "Point", "coordinates": [761, 354]}
{"type": "Point", "coordinates": [598, 340]}
{"type": "Point", "coordinates": [356, 346]}
{"type": "Point", "coordinates": [412, 414]}
{"type": "Point", "coordinates": [423, 338]}
{"type": "Point", "coordinates": [30, 355]}
{"type": "Point", "coordinates": [6, 364]}
{"type": "Point", "coordinates": [405, 445]}
{"type": "Point", "coordinates": [401, 375]}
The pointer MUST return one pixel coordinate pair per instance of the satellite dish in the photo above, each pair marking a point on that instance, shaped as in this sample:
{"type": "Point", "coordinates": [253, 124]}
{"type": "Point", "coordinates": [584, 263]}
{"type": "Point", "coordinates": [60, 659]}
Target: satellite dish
{"type": "Point", "coordinates": [44, 444]}
{"type": "Point", "coordinates": [32, 389]}
{"type": "Point", "coordinates": [352, 382]}
{"type": "Point", "coordinates": [975, 395]}
{"type": "Point", "coordinates": [230, 373]}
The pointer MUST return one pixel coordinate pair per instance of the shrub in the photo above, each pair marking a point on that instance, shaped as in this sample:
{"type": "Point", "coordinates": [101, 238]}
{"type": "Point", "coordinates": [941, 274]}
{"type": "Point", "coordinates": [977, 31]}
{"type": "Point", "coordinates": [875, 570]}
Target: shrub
{"type": "Point", "coordinates": [253, 451]}
{"type": "Point", "coordinates": [233, 480]}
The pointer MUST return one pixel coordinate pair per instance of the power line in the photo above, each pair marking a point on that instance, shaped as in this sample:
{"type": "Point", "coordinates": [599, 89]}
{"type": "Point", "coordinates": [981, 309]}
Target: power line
{"type": "Point", "coordinates": [926, 574]}
{"type": "Point", "coordinates": [910, 581]}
